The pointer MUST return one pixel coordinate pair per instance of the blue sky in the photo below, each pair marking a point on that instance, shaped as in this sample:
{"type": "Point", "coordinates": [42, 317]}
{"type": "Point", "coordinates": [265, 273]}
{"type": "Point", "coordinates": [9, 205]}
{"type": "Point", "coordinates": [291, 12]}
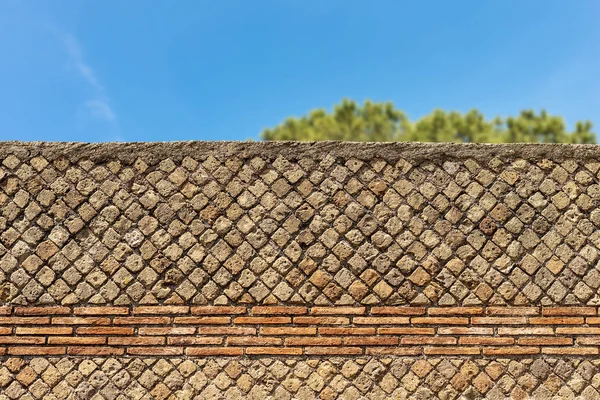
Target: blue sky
{"type": "Point", "coordinates": [135, 70]}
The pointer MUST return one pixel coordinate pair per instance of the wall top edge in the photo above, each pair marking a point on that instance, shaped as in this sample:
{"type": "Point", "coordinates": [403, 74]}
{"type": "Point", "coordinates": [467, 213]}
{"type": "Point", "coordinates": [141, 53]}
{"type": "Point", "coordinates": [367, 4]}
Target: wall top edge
{"type": "Point", "coordinates": [128, 152]}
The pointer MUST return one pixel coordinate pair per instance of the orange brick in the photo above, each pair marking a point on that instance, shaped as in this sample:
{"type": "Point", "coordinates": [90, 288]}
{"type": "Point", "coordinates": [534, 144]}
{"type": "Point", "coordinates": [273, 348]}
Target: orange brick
{"type": "Point", "coordinates": [592, 320]}
{"type": "Point", "coordinates": [370, 341]}
{"type": "Point", "coordinates": [6, 310]}
{"type": "Point", "coordinates": [396, 351]}
{"type": "Point", "coordinates": [322, 320]}
{"type": "Point", "coordinates": [202, 320]}
{"type": "Point", "coordinates": [42, 310]}
{"type": "Point", "coordinates": [101, 310]}
{"type": "Point", "coordinates": [161, 310]}
{"type": "Point", "coordinates": [315, 351]}
{"type": "Point", "coordinates": [214, 351]}
{"type": "Point", "coordinates": [278, 310]}
{"type": "Point", "coordinates": [570, 350]}
{"type": "Point", "coordinates": [337, 310]}
{"type": "Point", "coordinates": [155, 351]}
{"type": "Point", "coordinates": [428, 340]}
{"type": "Point", "coordinates": [498, 320]}
{"type": "Point", "coordinates": [440, 320]}
{"type": "Point", "coordinates": [289, 351]}
{"type": "Point", "coordinates": [105, 331]}
{"type": "Point", "coordinates": [5, 331]}
{"type": "Point", "coordinates": [221, 330]}
{"type": "Point", "coordinates": [288, 331]}
{"type": "Point", "coordinates": [455, 311]}
{"type": "Point", "coordinates": [142, 320]}
{"type": "Point", "coordinates": [405, 331]}
{"type": "Point", "coordinates": [22, 340]}
{"type": "Point", "coordinates": [80, 321]}
{"type": "Point", "coordinates": [577, 331]}
{"type": "Point", "coordinates": [262, 320]}
{"type": "Point", "coordinates": [557, 320]}
{"type": "Point", "coordinates": [486, 340]}
{"type": "Point", "coordinates": [526, 331]}
{"type": "Point", "coordinates": [381, 320]}
{"type": "Point", "coordinates": [180, 330]}
{"type": "Point", "coordinates": [398, 310]}
{"type": "Point", "coordinates": [95, 351]}
{"type": "Point", "coordinates": [519, 311]}
{"type": "Point", "coordinates": [590, 341]}
{"type": "Point", "coordinates": [345, 331]}
{"type": "Point", "coordinates": [56, 330]}
{"type": "Point", "coordinates": [76, 340]}
{"type": "Point", "coordinates": [36, 351]}
{"type": "Point", "coordinates": [253, 341]}
{"type": "Point", "coordinates": [568, 311]}
{"type": "Point", "coordinates": [187, 340]}
{"type": "Point", "coordinates": [24, 321]}
{"type": "Point", "coordinates": [451, 350]}
{"type": "Point", "coordinates": [2, 351]}
{"type": "Point", "coordinates": [217, 310]}
{"type": "Point", "coordinates": [313, 341]}
{"type": "Point", "coordinates": [546, 341]}
{"type": "Point", "coordinates": [460, 330]}
{"type": "Point", "coordinates": [136, 341]}
{"type": "Point", "coordinates": [510, 350]}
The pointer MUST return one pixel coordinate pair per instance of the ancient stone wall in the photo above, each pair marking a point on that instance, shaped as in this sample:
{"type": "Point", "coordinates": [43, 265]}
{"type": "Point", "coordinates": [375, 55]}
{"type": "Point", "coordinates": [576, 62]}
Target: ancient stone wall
{"type": "Point", "coordinates": [299, 270]}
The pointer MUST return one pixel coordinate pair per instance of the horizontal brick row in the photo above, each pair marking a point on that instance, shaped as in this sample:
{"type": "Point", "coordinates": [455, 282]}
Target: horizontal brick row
{"type": "Point", "coordinates": [296, 340]}
{"type": "Point", "coordinates": [295, 351]}
{"type": "Point", "coordinates": [253, 320]}
{"type": "Point", "coordinates": [585, 311]}
{"type": "Point", "coordinates": [296, 330]}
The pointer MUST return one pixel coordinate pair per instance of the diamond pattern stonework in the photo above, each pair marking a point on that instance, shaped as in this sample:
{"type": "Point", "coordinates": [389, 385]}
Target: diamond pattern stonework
{"type": "Point", "coordinates": [329, 270]}
{"type": "Point", "coordinates": [275, 230]}
{"type": "Point", "coordinates": [351, 379]}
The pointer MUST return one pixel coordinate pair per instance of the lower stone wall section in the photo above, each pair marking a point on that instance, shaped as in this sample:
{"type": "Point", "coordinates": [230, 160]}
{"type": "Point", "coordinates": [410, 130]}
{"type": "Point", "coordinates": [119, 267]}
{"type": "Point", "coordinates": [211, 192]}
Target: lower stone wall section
{"type": "Point", "coordinates": [308, 379]}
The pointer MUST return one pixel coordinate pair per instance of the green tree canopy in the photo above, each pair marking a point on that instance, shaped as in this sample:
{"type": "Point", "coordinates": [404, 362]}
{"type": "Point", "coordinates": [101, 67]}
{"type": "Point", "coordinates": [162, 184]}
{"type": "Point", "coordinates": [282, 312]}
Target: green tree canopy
{"type": "Point", "coordinates": [382, 122]}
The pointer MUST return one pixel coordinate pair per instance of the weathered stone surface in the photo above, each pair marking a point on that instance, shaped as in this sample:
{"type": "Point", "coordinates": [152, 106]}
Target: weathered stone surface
{"type": "Point", "coordinates": [311, 224]}
{"type": "Point", "coordinates": [336, 378]}
{"type": "Point", "coordinates": [403, 223]}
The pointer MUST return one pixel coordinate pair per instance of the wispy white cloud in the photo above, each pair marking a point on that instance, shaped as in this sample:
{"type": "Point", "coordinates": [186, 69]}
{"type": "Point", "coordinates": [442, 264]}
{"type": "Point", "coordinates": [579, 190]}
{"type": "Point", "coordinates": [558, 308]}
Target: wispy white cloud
{"type": "Point", "coordinates": [76, 58]}
{"type": "Point", "coordinates": [98, 105]}
{"type": "Point", "coordinates": [100, 109]}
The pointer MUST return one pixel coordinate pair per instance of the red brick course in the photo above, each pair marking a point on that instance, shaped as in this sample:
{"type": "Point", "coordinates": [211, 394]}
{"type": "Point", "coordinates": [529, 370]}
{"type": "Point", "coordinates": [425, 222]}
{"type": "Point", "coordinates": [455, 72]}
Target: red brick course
{"type": "Point", "coordinates": [297, 330]}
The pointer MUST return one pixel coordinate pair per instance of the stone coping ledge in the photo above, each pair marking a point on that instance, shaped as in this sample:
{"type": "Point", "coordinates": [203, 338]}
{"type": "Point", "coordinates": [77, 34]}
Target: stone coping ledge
{"type": "Point", "coordinates": [152, 152]}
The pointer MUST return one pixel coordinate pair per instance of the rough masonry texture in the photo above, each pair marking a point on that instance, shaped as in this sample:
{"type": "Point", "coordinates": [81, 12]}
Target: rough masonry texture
{"type": "Point", "coordinates": [299, 270]}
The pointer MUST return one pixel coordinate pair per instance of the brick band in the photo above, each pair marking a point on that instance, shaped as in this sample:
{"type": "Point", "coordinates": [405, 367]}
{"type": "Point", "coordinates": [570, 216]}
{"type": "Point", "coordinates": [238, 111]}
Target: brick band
{"type": "Point", "coordinates": [298, 331]}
